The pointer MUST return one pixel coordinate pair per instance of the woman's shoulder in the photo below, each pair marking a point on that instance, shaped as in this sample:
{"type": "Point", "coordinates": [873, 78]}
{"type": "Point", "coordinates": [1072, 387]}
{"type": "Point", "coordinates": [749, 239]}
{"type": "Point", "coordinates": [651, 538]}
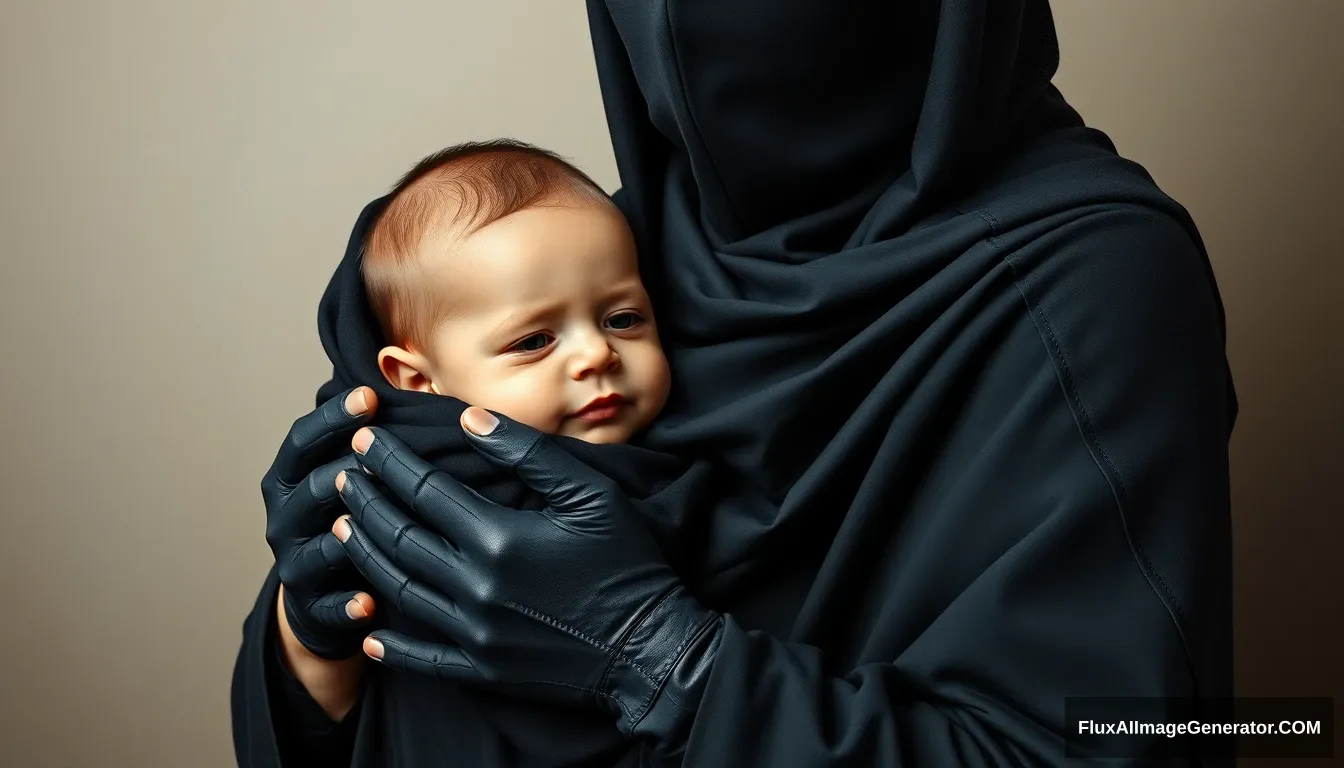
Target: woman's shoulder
{"type": "Point", "coordinates": [1127, 259]}
{"type": "Point", "coordinates": [1127, 306]}
{"type": "Point", "coordinates": [1095, 246]}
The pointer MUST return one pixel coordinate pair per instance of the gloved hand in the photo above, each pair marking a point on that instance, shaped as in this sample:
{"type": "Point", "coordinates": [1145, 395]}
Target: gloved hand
{"type": "Point", "coordinates": [301, 505]}
{"type": "Point", "coordinates": [573, 603]}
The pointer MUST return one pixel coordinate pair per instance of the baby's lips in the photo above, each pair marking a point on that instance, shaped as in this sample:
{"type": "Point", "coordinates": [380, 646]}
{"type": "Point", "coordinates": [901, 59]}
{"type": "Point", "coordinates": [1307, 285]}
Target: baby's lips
{"type": "Point", "coordinates": [615, 399]}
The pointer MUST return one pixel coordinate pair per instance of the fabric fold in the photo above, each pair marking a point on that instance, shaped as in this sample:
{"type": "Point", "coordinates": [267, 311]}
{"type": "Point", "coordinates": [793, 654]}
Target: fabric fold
{"type": "Point", "coordinates": [947, 434]}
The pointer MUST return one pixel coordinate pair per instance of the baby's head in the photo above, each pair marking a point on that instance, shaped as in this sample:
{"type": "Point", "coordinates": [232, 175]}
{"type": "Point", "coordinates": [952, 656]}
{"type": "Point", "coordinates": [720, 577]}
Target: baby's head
{"type": "Point", "coordinates": [503, 276]}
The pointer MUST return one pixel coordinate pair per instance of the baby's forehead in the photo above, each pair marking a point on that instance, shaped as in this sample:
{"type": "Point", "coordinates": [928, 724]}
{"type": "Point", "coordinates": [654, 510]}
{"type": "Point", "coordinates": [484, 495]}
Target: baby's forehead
{"type": "Point", "coordinates": [561, 235]}
{"type": "Point", "coordinates": [489, 273]}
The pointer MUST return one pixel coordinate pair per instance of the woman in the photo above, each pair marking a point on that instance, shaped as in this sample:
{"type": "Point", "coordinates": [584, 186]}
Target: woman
{"type": "Point", "coordinates": [947, 439]}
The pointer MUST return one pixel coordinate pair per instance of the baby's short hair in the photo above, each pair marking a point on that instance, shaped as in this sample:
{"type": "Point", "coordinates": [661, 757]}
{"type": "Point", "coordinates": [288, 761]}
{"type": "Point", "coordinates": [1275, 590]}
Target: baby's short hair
{"type": "Point", "coordinates": [462, 188]}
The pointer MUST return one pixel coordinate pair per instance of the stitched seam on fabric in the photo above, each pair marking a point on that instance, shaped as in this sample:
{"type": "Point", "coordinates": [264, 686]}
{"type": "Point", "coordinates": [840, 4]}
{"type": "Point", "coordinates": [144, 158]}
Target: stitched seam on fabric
{"type": "Point", "coordinates": [1155, 581]}
{"type": "Point", "coordinates": [545, 619]}
{"type": "Point", "coordinates": [1089, 434]}
{"type": "Point", "coordinates": [993, 228]}
{"type": "Point", "coordinates": [1085, 425]}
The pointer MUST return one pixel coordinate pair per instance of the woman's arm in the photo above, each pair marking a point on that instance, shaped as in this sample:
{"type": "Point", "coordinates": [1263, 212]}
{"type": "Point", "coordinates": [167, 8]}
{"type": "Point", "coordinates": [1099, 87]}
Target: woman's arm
{"type": "Point", "coordinates": [333, 685]}
{"type": "Point", "coordinates": [294, 696]}
{"type": "Point", "coordinates": [276, 722]}
{"type": "Point", "coordinates": [1113, 444]}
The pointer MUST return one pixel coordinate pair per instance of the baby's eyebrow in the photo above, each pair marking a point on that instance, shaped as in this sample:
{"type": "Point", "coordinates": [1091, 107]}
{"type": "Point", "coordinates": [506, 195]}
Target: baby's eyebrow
{"type": "Point", "coordinates": [526, 315]}
{"type": "Point", "coordinates": [626, 287]}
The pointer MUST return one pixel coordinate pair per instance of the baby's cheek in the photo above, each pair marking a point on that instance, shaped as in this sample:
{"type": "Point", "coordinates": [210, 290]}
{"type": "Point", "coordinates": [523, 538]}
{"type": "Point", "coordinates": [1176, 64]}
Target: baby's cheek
{"type": "Point", "coordinates": [519, 403]}
{"type": "Point", "coordinates": [657, 384]}
{"type": "Point", "coordinates": [545, 414]}
{"type": "Point", "coordinates": [540, 416]}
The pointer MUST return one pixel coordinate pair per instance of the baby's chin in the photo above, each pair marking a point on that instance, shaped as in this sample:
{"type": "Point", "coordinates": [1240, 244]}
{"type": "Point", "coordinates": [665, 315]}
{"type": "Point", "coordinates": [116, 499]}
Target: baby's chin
{"type": "Point", "coordinates": [602, 434]}
{"type": "Point", "coordinates": [605, 433]}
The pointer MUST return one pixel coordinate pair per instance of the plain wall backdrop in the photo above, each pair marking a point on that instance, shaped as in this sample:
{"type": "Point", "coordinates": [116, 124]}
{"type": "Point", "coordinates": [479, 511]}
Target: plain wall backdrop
{"type": "Point", "coordinates": [178, 179]}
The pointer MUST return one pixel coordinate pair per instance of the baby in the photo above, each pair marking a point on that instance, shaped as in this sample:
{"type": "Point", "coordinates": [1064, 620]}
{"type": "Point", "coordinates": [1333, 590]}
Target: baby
{"type": "Point", "coordinates": [503, 276]}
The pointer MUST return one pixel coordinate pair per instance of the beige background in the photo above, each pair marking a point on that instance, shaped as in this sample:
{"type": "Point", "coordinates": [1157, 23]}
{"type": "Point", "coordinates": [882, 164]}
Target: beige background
{"type": "Point", "coordinates": [177, 180]}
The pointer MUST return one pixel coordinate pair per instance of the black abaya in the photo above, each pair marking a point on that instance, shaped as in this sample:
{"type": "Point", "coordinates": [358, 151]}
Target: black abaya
{"type": "Point", "coordinates": [947, 438]}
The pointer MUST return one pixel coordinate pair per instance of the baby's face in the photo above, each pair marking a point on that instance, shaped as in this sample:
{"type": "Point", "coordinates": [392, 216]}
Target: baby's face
{"type": "Point", "coordinates": [551, 315]}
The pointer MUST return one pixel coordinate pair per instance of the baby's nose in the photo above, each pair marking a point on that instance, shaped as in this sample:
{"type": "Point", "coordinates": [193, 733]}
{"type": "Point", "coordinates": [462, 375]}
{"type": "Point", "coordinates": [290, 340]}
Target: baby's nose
{"type": "Point", "coordinates": [596, 356]}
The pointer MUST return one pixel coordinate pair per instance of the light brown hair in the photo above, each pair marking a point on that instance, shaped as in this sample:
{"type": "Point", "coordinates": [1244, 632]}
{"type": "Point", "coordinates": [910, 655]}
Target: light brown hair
{"type": "Point", "coordinates": [462, 188]}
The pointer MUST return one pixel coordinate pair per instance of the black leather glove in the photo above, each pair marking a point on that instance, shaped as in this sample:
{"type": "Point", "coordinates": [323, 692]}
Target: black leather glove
{"type": "Point", "coordinates": [573, 603]}
{"type": "Point", "coordinates": [301, 505]}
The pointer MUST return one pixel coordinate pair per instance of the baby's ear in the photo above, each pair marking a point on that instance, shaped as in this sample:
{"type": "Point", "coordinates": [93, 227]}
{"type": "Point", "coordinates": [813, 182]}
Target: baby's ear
{"type": "Point", "coordinates": [404, 369]}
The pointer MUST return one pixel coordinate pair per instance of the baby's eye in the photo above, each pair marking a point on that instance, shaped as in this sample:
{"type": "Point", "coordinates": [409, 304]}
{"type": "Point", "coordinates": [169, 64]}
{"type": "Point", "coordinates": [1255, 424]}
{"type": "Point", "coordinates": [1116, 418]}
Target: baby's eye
{"type": "Point", "coordinates": [525, 346]}
{"type": "Point", "coordinates": [625, 321]}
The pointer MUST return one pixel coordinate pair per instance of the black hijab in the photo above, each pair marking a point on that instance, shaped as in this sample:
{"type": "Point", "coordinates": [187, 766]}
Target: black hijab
{"type": "Point", "coordinates": [947, 433]}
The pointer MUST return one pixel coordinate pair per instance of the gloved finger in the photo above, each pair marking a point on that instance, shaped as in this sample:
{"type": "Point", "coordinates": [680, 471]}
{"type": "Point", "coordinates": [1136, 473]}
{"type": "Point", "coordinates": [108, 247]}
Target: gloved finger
{"type": "Point", "coordinates": [302, 515]}
{"type": "Point", "coordinates": [567, 483]}
{"type": "Point", "coordinates": [324, 639]}
{"type": "Point", "coordinates": [320, 434]}
{"type": "Point", "coordinates": [447, 505]}
{"type": "Point", "coordinates": [420, 552]}
{"type": "Point", "coordinates": [318, 561]}
{"type": "Point", "coordinates": [322, 481]}
{"type": "Point", "coordinates": [332, 609]}
{"type": "Point", "coordinates": [442, 661]}
{"type": "Point", "coordinates": [413, 598]}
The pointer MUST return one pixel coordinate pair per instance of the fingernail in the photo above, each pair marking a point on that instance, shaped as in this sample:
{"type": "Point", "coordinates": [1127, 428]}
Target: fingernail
{"type": "Point", "coordinates": [340, 481]}
{"type": "Point", "coordinates": [363, 439]}
{"type": "Point", "coordinates": [356, 403]}
{"type": "Point", "coordinates": [374, 649]}
{"type": "Point", "coordinates": [354, 610]}
{"type": "Point", "coordinates": [341, 528]}
{"type": "Point", "coordinates": [479, 420]}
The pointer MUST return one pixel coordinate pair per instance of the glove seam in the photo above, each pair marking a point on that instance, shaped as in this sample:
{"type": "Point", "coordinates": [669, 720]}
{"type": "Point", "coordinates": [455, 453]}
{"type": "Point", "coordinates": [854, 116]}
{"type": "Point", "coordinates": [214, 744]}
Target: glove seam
{"type": "Point", "coordinates": [620, 654]}
{"type": "Point", "coordinates": [675, 658]}
{"type": "Point", "coordinates": [419, 484]}
{"type": "Point", "coordinates": [563, 627]}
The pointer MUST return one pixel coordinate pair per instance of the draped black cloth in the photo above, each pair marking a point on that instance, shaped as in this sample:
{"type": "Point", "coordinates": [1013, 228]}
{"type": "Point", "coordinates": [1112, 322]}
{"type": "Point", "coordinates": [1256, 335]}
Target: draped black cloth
{"type": "Point", "coordinates": [947, 436]}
